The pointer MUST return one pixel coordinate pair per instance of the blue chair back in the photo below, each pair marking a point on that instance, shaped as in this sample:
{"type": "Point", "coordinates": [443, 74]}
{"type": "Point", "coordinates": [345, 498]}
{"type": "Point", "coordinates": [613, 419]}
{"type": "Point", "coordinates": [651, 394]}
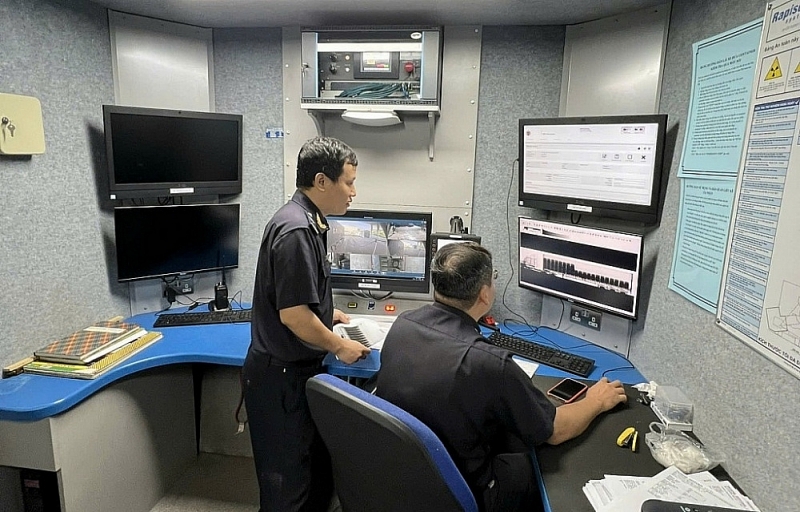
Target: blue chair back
{"type": "Point", "coordinates": [383, 458]}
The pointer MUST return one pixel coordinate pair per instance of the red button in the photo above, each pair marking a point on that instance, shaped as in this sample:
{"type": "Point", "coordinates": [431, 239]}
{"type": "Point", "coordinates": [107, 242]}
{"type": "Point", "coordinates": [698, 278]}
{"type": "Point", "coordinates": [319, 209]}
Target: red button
{"type": "Point", "coordinates": [409, 67]}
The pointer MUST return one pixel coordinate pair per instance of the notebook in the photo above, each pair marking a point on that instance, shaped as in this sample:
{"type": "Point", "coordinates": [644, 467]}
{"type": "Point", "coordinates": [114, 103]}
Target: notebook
{"type": "Point", "coordinates": [95, 369]}
{"type": "Point", "coordinates": [90, 343]}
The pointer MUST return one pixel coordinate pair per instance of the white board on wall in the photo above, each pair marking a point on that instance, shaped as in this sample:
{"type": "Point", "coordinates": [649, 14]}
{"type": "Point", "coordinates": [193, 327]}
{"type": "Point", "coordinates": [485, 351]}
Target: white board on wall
{"type": "Point", "coordinates": [161, 64]}
{"type": "Point", "coordinates": [613, 66]}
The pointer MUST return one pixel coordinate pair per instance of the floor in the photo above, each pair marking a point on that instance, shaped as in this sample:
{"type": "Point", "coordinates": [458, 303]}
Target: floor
{"type": "Point", "coordinates": [218, 483]}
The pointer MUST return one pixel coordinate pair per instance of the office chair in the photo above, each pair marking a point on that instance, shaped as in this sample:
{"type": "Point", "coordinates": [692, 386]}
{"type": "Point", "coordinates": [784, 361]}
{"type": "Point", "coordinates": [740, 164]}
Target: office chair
{"type": "Point", "coordinates": [383, 458]}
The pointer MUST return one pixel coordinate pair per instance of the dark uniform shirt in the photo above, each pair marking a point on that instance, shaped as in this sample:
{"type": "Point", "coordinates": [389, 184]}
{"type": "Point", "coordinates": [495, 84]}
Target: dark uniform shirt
{"type": "Point", "coordinates": [436, 365]}
{"type": "Point", "coordinates": [292, 270]}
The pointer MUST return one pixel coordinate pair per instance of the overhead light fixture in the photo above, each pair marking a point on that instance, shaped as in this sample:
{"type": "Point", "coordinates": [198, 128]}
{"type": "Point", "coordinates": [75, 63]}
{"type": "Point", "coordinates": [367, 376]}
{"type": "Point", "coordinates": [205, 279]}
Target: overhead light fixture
{"type": "Point", "coordinates": [366, 118]}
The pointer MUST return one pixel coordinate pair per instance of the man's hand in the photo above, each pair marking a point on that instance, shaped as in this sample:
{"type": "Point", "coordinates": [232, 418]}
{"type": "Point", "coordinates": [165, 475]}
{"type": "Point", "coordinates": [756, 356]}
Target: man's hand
{"type": "Point", "coordinates": [351, 351]}
{"type": "Point", "coordinates": [340, 317]}
{"type": "Point", "coordinates": [606, 394]}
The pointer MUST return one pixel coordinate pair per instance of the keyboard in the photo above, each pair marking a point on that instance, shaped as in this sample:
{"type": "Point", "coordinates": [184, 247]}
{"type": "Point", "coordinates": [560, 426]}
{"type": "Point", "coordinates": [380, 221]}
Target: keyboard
{"type": "Point", "coordinates": [543, 354]}
{"type": "Point", "coordinates": [203, 317]}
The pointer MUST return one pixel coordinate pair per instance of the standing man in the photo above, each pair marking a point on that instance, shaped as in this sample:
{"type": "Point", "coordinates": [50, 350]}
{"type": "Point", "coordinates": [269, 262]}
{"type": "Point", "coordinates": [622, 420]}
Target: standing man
{"type": "Point", "coordinates": [291, 332]}
{"type": "Point", "coordinates": [436, 365]}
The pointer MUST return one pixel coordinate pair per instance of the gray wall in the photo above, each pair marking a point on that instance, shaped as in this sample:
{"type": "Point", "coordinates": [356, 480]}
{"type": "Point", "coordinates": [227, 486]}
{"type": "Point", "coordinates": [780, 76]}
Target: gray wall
{"type": "Point", "coordinates": [57, 257]}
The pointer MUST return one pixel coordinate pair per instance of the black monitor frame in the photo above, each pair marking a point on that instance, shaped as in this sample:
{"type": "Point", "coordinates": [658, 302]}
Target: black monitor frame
{"type": "Point", "coordinates": [382, 282]}
{"type": "Point", "coordinates": [612, 269]}
{"type": "Point", "coordinates": [569, 201]}
{"type": "Point", "coordinates": [164, 241]}
{"type": "Point", "coordinates": [438, 237]}
{"type": "Point", "coordinates": [162, 183]}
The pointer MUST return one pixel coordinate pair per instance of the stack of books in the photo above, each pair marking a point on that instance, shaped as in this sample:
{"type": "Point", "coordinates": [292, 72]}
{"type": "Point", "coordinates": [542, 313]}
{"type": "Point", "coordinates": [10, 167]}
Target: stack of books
{"type": "Point", "coordinates": [87, 353]}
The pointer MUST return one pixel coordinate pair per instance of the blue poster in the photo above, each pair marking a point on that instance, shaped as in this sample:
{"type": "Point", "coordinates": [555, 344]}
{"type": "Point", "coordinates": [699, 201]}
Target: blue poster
{"type": "Point", "coordinates": [703, 222]}
{"type": "Point", "coordinates": [722, 79]}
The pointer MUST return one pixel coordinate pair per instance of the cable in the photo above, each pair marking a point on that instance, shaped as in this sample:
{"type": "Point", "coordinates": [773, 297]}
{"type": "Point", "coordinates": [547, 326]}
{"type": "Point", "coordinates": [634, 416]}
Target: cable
{"type": "Point", "coordinates": [510, 248]}
{"type": "Point", "coordinates": [375, 91]}
{"type": "Point", "coordinates": [572, 218]}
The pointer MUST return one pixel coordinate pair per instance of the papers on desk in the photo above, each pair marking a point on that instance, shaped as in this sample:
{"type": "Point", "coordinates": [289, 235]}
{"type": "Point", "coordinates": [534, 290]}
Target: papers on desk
{"type": "Point", "coordinates": [627, 493]}
{"type": "Point", "coordinates": [528, 366]}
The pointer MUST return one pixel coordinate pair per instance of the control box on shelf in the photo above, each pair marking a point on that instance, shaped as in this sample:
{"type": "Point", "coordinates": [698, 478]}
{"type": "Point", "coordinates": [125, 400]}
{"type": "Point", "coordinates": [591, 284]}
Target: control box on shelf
{"type": "Point", "coordinates": [379, 68]}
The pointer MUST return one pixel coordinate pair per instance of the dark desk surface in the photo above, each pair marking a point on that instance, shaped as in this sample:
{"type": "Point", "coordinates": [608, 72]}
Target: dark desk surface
{"type": "Point", "coordinates": [564, 469]}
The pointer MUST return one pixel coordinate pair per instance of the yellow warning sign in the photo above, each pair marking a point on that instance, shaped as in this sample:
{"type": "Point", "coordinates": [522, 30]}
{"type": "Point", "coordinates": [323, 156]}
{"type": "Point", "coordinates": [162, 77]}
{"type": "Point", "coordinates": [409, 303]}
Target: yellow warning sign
{"type": "Point", "coordinates": [774, 70]}
{"type": "Point", "coordinates": [797, 69]}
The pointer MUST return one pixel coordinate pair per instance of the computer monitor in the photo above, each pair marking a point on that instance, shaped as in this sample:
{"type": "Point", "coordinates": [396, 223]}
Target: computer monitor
{"type": "Point", "coordinates": [597, 268]}
{"type": "Point", "coordinates": [607, 166]}
{"type": "Point", "coordinates": [440, 239]}
{"type": "Point", "coordinates": [157, 152]}
{"type": "Point", "coordinates": [162, 241]}
{"type": "Point", "coordinates": [380, 251]}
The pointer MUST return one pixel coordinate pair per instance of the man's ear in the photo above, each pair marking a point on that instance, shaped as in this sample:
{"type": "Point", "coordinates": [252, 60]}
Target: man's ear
{"type": "Point", "coordinates": [319, 181]}
{"type": "Point", "coordinates": [485, 295]}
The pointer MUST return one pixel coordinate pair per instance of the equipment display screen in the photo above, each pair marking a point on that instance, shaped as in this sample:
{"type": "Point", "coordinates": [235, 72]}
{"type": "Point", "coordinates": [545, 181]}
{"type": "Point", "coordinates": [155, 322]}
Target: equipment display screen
{"type": "Point", "coordinates": [589, 266]}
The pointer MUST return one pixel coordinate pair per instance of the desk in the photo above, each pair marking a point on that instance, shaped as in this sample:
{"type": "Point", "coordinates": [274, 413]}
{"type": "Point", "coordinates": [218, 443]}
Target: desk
{"type": "Point", "coordinates": [564, 469]}
{"type": "Point", "coordinates": [120, 441]}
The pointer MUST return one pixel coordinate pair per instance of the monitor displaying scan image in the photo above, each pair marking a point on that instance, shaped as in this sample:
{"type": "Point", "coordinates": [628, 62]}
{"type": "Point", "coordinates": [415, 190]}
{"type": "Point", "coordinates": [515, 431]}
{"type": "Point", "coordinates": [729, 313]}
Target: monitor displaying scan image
{"type": "Point", "coordinates": [597, 268]}
{"type": "Point", "coordinates": [380, 251]}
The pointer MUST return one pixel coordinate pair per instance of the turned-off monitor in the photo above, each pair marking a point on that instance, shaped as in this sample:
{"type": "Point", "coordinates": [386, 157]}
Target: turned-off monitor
{"type": "Point", "coordinates": [597, 268]}
{"type": "Point", "coordinates": [161, 241]}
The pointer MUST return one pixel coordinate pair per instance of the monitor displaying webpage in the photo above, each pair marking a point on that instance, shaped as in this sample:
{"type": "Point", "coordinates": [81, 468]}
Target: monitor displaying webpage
{"type": "Point", "coordinates": [594, 267]}
{"type": "Point", "coordinates": [599, 162]}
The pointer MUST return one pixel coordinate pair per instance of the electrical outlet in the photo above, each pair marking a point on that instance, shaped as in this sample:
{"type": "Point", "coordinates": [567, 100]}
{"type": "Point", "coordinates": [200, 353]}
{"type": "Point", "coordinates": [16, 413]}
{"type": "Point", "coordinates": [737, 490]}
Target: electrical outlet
{"type": "Point", "coordinates": [184, 285]}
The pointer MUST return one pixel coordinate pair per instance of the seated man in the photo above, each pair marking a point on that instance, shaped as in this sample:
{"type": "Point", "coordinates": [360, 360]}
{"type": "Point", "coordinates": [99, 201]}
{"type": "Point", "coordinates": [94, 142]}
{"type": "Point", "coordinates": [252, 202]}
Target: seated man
{"type": "Point", "coordinates": [436, 365]}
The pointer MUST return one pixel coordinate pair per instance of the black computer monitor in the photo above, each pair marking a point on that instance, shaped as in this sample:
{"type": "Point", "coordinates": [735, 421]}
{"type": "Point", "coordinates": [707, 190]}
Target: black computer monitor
{"type": "Point", "coordinates": [380, 251]}
{"type": "Point", "coordinates": [607, 166]}
{"type": "Point", "coordinates": [597, 268]}
{"type": "Point", "coordinates": [440, 239]}
{"type": "Point", "coordinates": [161, 241]}
{"type": "Point", "coordinates": [158, 152]}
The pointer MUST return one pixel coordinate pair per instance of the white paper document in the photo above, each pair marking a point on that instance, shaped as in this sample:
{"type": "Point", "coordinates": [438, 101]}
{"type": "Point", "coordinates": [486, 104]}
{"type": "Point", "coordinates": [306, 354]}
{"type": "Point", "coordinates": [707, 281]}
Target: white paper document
{"type": "Point", "coordinates": [627, 493]}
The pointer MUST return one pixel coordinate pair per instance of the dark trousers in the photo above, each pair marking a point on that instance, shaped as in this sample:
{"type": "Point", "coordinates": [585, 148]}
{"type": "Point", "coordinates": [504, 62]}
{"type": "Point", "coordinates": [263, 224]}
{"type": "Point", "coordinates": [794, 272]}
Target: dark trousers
{"type": "Point", "coordinates": [292, 464]}
{"type": "Point", "coordinates": [514, 487]}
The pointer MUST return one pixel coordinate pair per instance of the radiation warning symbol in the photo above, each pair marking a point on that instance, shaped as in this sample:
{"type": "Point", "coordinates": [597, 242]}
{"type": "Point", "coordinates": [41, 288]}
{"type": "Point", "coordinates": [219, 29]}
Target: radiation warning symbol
{"type": "Point", "coordinates": [774, 70]}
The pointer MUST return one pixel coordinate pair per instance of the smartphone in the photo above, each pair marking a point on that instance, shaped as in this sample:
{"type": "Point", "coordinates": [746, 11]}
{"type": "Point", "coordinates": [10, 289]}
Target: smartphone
{"type": "Point", "coordinates": [568, 390]}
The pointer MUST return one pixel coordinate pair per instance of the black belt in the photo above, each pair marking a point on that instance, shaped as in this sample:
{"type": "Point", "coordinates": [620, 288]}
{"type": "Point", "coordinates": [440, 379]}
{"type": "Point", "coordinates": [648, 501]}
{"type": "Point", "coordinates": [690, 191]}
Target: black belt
{"type": "Point", "coordinates": [307, 364]}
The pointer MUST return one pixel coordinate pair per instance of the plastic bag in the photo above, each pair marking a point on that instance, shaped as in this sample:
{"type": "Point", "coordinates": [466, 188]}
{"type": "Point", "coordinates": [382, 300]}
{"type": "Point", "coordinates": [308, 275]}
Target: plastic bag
{"type": "Point", "coordinates": [674, 448]}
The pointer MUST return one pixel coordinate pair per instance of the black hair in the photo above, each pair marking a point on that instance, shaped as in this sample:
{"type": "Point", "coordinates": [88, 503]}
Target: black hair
{"type": "Point", "coordinates": [458, 272]}
{"type": "Point", "coordinates": [322, 154]}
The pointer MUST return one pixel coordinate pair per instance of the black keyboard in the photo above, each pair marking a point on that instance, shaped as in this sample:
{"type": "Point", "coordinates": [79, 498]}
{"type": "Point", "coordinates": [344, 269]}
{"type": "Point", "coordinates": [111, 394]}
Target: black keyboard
{"type": "Point", "coordinates": [203, 317]}
{"type": "Point", "coordinates": [543, 354]}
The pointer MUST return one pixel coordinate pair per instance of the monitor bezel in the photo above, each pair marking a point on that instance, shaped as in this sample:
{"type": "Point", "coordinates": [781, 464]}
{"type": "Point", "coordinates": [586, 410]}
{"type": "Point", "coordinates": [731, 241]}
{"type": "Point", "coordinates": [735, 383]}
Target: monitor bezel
{"type": "Point", "coordinates": [458, 237]}
{"type": "Point", "coordinates": [645, 214]}
{"type": "Point", "coordinates": [387, 284]}
{"type": "Point", "coordinates": [579, 300]}
{"type": "Point", "coordinates": [224, 267]}
{"type": "Point", "coordinates": [168, 188]}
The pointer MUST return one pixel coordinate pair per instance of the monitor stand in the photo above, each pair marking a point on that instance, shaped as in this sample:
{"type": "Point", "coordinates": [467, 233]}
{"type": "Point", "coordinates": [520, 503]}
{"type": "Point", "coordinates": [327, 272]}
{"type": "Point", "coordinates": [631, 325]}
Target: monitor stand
{"type": "Point", "coordinates": [604, 329]}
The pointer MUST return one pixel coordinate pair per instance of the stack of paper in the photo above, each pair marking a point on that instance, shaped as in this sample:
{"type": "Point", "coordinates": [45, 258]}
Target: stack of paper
{"type": "Point", "coordinates": [627, 493]}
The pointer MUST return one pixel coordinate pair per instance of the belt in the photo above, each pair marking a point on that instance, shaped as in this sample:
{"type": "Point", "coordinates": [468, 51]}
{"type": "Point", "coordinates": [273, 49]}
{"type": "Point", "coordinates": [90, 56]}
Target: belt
{"type": "Point", "coordinates": [307, 364]}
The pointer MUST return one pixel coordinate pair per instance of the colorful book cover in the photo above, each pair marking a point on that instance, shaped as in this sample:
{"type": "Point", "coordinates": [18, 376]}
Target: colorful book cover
{"type": "Point", "coordinates": [90, 343]}
{"type": "Point", "coordinates": [90, 371]}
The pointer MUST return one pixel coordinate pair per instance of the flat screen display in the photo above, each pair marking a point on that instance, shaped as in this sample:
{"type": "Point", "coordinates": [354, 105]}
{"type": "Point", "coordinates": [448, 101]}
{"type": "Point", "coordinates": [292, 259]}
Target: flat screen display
{"type": "Point", "coordinates": [380, 251]}
{"type": "Point", "coordinates": [157, 152]}
{"type": "Point", "coordinates": [595, 267]}
{"type": "Point", "coordinates": [159, 241]}
{"type": "Point", "coordinates": [609, 166]}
